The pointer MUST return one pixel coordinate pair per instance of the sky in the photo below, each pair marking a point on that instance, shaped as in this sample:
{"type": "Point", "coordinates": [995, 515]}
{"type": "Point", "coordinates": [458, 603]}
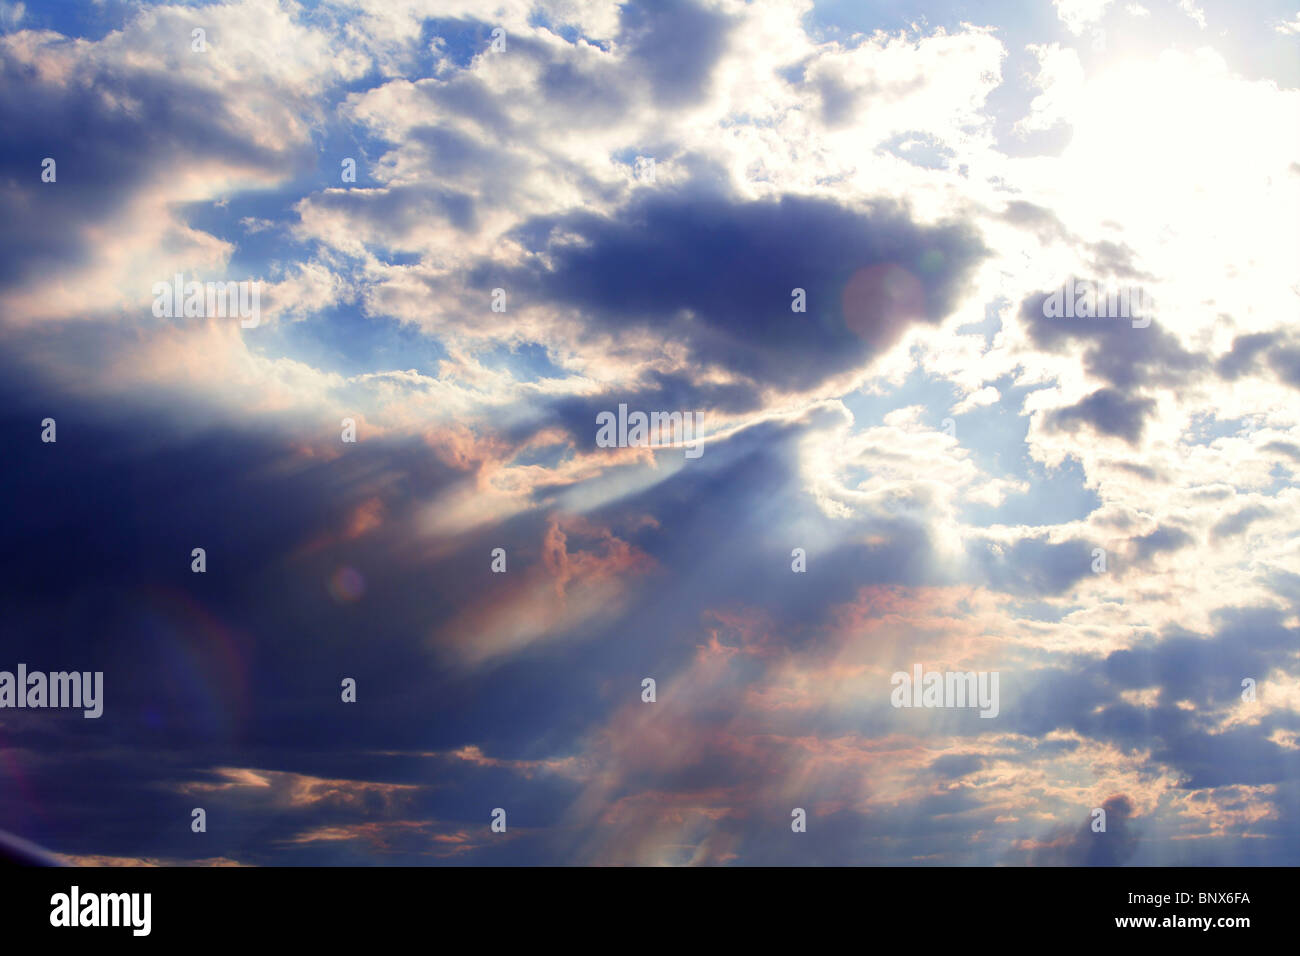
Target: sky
{"type": "Point", "coordinates": [438, 616]}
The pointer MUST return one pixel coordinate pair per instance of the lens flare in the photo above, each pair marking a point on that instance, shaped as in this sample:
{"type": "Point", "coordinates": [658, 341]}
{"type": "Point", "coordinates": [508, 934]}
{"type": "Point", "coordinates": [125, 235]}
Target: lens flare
{"type": "Point", "coordinates": [347, 585]}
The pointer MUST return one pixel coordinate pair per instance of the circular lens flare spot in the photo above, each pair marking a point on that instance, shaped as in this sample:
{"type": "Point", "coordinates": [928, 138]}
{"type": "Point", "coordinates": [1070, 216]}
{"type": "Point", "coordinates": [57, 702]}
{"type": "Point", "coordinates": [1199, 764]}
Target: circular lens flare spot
{"type": "Point", "coordinates": [879, 301]}
{"type": "Point", "coordinates": [347, 585]}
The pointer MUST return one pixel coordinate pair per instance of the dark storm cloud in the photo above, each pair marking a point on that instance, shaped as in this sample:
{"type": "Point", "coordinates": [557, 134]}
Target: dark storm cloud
{"type": "Point", "coordinates": [1206, 671]}
{"type": "Point", "coordinates": [1081, 845]}
{"type": "Point", "coordinates": [1285, 361]}
{"type": "Point", "coordinates": [133, 802]}
{"type": "Point", "coordinates": [1106, 410]}
{"type": "Point", "coordinates": [668, 54]}
{"type": "Point", "coordinates": [1113, 350]}
{"type": "Point", "coordinates": [675, 46]}
{"type": "Point", "coordinates": [1278, 350]}
{"type": "Point", "coordinates": [1032, 566]}
{"type": "Point", "coordinates": [716, 275]}
{"type": "Point", "coordinates": [1245, 350]}
{"type": "Point", "coordinates": [240, 667]}
{"type": "Point", "coordinates": [585, 92]}
{"type": "Point", "coordinates": [114, 518]}
{"type": "Point", "coordinates": [105, 154]}
{"type": "Point", "coordinates": [111, 512]}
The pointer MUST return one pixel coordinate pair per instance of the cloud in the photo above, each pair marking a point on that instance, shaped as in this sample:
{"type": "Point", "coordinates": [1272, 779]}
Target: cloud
{"type": "Point", "coordinates": [1112, 349]}
{"type": "Point", "coordinates": [919, 468]}
{"type": "Point", "coordinates": [717, 275]}
{"type": "Point", "coordinates": [1082, 846]}
{"type": "Point", "coordinates": [1159, 541]}
{"type": "Point", "coordinates": [1108, 411]}
{"type": "Point", "coordinates": [1238, 522]}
